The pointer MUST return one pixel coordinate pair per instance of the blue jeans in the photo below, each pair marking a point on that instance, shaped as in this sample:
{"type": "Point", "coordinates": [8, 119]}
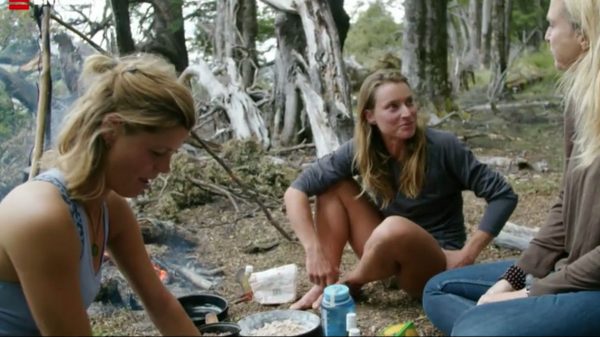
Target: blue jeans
{"type": "Point", "coordinates": [450, 302]}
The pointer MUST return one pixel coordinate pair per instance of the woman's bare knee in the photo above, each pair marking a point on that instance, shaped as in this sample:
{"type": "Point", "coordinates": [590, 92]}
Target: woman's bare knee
{"type": "Point", "coordinates": [393, 228]}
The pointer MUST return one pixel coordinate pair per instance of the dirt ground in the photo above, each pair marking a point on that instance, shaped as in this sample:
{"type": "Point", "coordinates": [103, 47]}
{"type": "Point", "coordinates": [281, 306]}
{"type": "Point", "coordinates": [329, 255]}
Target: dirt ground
{"type": "Point", "coordinates": [222, 233]}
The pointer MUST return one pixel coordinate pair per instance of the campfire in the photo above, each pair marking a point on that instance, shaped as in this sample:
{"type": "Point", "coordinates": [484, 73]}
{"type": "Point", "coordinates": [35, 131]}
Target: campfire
{"type": "Point", "coordinates": [174, 261]}
{"type": "Point", "coordinates": [163, 274]}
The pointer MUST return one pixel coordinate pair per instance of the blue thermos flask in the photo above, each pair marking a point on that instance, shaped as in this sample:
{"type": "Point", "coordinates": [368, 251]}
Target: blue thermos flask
{"type": "Point", "coordinates": [336, 304]}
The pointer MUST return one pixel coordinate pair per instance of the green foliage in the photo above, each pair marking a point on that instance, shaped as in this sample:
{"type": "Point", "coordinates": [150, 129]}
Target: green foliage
{"type": "Point", "coordinates": [266, 24]}
{"type": "Point", "coordinates": [538, 66]}
{"type": "Point", "coordinates": [535, 67]}
{"type": "Point", "coordinates": [527, 16]}
{"type": "Point", "coordinates": [18, 35]}
{"type": "Point", "coordinates": [374, 34]}
{"type": "Point", "coordinates": [541, 59]}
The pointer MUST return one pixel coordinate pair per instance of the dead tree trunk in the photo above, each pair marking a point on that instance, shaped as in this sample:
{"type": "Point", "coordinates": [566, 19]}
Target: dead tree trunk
{"type": "Point", "coordinates": [500, 48]}
{"type": "Point", "coordinates": [169, 33]}
{"type": "Point", "coordinates": [120, 9]}
{"type": "Point", "coordinates": [326, 65]}
{"type": "Point", "coordinates": [475, 11]}
{"type": "Point", "coordinates": [243, 114]}
{"type": "Point", "coordinates": [167, 26]}
{"type": "Point", "coordinates": [288, 62]}
{"type": "Point", "coordinates": [246, 53]}
{"type": "Point", "coordinates": [464, 54]}
{"type": "Point", "coordinates": [319, 60]}
{"type": "Point", "coordinates": [70, 61]}
{"type": "Point", "coordinates": [486, 33]}
{"type": "Point", "coordinates": [425, 51]}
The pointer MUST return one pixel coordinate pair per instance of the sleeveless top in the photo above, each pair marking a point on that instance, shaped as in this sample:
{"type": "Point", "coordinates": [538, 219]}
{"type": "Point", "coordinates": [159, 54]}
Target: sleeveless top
{"type": "Point", "coordinates": [15, 316]}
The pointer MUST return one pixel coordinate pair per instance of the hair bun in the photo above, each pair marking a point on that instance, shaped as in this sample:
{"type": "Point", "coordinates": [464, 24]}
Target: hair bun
{"type": "Point", "coordinates": [99, 64]}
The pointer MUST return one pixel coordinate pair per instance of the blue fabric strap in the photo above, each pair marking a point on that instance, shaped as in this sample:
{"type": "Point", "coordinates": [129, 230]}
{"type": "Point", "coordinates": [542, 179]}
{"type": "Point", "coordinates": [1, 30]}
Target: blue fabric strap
{"type": "Point", "coordinates": [72, 206]}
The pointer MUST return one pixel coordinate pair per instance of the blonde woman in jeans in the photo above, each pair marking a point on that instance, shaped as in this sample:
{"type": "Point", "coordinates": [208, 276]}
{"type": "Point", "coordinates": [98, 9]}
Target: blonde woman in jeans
{"type": "Point", "coordinates": [554, 287]}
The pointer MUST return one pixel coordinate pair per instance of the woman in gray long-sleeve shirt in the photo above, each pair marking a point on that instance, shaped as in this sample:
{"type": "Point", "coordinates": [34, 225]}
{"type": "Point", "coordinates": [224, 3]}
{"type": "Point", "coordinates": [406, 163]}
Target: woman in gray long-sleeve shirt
{"type": "Point", "coordinates": [553, 289]}
{"type": "Point", "coordinates": [404, 217]}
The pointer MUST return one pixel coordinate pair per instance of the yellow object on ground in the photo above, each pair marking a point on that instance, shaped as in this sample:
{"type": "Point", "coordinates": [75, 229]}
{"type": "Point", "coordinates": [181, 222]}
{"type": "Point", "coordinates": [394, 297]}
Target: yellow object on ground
{"type": "Point", "coordinates": [401, 329]}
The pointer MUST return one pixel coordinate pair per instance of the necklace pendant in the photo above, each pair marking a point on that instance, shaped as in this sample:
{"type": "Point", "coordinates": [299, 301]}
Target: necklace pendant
{"type": "Point", "coordinates": [94, 250]}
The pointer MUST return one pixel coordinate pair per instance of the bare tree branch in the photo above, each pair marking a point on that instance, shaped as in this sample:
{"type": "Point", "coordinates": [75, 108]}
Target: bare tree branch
{"type": "Point", "coordinates": [78, 33]}
{"type": "Point", "coordinates": [242, 186]}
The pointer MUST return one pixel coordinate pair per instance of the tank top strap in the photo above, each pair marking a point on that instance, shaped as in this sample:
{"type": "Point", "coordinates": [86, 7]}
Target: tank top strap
{"type": "Point", "coordinates": [54, 178]}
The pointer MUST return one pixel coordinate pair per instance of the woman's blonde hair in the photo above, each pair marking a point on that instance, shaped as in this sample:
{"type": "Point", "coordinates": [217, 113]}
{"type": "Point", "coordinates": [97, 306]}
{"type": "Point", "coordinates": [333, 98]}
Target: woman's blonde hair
{"type": "Point", "coordinates": [372, 158]}
{"type": "Point", "coordinates": [581, 82]}
{"type": "Point", "coordinates": [141, 90]}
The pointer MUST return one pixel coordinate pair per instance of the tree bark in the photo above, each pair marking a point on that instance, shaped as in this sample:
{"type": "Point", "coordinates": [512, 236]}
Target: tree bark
{"type": "Point", "coordinates": [486, 33]}
{"type": "Point", "coordinates": [326, 66]}
{"type": "Point", "coordinates": [309, 47]}
{"type": "Point", "coordinates": [120, 10]}
{"type": "Point", "coordinates": [475, 11]}
{"type": "Point", "coordinates": [169, 32]}
{"type": "Point", "coordinates": [425, 50]}
{"type": "Point", "coordinates": [286, 102]}
{"type": "Point", "coordinates": [244, 116]}
{"type": "Point", "coordinates": [460, 33]}
{"type": "Point", "coordinates": [500, 48]}
{"type": "Point", "coordinates": [500, 43]}
{"type": "Point", "coordinates": [248, 28]}
{"type": "Point", "coordinates": [341, 19]}
{"type": "Point", "coordinates": [43, 116]}
{"type": "Point", "coordinates": [70, 61]}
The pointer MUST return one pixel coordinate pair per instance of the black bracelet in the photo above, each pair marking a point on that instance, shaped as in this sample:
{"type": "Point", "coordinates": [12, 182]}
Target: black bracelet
{"type": "Point", "coordinates": [515, 276]}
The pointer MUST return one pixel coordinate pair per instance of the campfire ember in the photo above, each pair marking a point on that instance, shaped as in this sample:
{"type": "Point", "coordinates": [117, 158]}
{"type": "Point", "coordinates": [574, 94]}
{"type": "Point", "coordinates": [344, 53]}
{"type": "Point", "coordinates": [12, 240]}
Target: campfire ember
{"type": "Point", "coordinates": [163, 275]}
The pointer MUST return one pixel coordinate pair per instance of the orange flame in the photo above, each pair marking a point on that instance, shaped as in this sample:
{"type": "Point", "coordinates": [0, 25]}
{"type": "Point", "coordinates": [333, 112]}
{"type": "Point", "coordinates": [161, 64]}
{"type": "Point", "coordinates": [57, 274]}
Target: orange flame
{"type": "Point", "coordinates": [163, 275]}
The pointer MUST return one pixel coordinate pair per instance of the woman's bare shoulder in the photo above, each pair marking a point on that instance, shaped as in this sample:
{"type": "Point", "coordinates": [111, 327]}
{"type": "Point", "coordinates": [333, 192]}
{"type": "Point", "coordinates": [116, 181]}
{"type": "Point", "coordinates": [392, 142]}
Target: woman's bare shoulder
{"type": "Point", "coordinates": [33, 206]}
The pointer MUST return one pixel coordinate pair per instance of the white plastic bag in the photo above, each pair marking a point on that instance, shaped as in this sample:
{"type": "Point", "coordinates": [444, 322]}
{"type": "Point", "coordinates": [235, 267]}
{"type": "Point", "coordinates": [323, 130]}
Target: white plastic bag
{"type": "Point", "coordinates": [275, 285]}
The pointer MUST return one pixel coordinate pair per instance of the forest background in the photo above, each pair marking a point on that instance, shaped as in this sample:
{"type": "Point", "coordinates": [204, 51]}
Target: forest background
{"type": "Point", "coordinates": [275, 83]}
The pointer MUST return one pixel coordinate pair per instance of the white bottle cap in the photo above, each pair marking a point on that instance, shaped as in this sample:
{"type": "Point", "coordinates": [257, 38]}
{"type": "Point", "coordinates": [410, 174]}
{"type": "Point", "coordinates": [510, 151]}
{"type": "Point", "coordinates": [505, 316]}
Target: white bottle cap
{"type": "Point", "coordinates": [351, 321]}
{"type": "Point", "coordinates": [249, 269]}
{"type": "Point", "coordinates": [354, 332]}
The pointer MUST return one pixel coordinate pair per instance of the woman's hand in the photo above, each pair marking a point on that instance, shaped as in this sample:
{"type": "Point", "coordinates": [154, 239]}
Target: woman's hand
{"type": "Point", "coordinates": [502, 286]}
{"type": "Point", "coordinates": [457, 258]}
{"type": "Point", "coordinates": [502, 296]}
{"type": "Point", "coordinates": [320, 271]}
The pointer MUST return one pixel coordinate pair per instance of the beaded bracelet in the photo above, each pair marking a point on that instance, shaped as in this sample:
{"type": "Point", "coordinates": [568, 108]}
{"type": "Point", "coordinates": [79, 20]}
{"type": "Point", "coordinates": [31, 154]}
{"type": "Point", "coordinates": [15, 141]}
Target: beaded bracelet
{"type": "Point", "coordinates": [515, 276]}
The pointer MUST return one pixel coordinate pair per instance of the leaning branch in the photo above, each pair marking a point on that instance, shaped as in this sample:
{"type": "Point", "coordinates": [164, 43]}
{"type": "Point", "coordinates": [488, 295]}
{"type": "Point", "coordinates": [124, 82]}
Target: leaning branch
{"type": "Point", "coordinates": [44, 94]}
{"type": "Point", "coordinates": [241, 185]}
{"type": "Point", "coordinates": [80, 34]}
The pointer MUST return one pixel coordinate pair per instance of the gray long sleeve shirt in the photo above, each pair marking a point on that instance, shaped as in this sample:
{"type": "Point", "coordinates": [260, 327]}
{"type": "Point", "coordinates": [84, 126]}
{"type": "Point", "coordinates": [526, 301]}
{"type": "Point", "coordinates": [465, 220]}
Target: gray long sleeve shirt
{"type": "Point", "coordinates": [451, 169]}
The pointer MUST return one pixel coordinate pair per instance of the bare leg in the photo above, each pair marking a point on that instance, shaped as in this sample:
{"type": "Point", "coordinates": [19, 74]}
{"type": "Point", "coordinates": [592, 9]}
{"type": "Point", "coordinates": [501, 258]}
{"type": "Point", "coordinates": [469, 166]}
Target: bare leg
{"type": "Point", "coordinates": [402, 248]}
{"type": "Point", "coordinates": [340, 218]}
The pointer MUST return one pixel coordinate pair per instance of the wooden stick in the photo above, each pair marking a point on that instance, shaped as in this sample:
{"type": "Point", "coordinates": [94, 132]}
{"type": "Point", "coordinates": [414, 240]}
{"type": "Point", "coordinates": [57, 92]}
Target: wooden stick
{"type": "Point", "coordinates": [80, 34]}
{"type": "Point", "coordinates": [242, 186]}
{"type": "Point", "coordinates": [44, 94]}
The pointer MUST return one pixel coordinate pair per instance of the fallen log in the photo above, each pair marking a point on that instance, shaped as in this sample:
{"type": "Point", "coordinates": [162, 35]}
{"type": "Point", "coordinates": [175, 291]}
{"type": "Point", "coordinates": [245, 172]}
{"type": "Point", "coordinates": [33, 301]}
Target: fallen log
{"type": "Point", "coordinates": [515, 236]}
{"type": "Point", "coordinates": [193, 277]}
